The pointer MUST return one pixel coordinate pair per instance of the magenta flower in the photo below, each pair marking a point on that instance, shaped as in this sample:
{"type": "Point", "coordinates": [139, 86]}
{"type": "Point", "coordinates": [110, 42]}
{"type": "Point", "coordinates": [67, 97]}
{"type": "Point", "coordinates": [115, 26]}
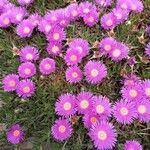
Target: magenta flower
{"type": "Point", "coordinates": [131, 79]}
{"type": "Point", "coordinates": [15, 134]}
{"type": "Point", "coordinates": [25, 29]}
{"type": "Point", "coordinates": [143, 110]}
{"type": "Point", "coordinates": [44, 26]}
{"type": "Point", "coordinates": [91, 18]}
{"type": "Point", "coordinates": [54, 48]}
{"type": "Point", "coordinates": [17, 14]}
{"type": "Point", "coordinates": [95, 71]}
{"type": "Point", "coordinates": [62, 129]}
{"type": "Point", "coordinates": [73, 74]}
{"type": "Point", "coordinates": [10, 82]}
{"type": "Point", "coordinates": [72, 57]}
{"type": "Point", "coordinates": [26, 70]}
{"type": "Point", "coordinates": [81, 45]}
{"type": "Point", "coordinates": [124, 111]}
{"type": "Point", "coordinates": [91, 119]}
{"type": "Point", "coordinates": [84, 102]}
{"type": "Point", "coordinates": [25, 88]}
{"type": "Point", "coordinates": [147, 49]}
{"type": "Point", "coordinates": [124, 4]}
{"type": "Point", "coordinates": [47, 66]}
{"type": "Point", "coordinates": [35, 19]}
{"type": "Point", "coordinates": [146, 88]}
{"type": "Point", "coordinates": [66, 105]}
{"type": "Point", "coordinates": [137, 6]}
{"type": "Point", "coordinates": [132, 92]}
{"type": "Point", "coordinates": [25, 2]}
{"type": "Point", "coordinates": [103, 135]}
{"type": "Point", "coordinates": [106, 45]}
{"type": "Point", "coordinates": [102, 106]}
{"type": "Point", "coordinates": [57, 34]}
{"type": "Point", "coordinates": [86, 8]}
{"type": "Point", "coordinates": [131, 61]}
{"type": "Point", "coordinates": [29, 53]}
{"type": "Point", "coordinates": [73, 9]}
{"type": "Point", "coordinates": [104, 3]}
{"type": "Point", "coordinates": [132, 145]}
{"type": "Point", "coordinates": [108, 21]}
{"type": "Point", "coordinates": [120, 51]}
{"type": "Point", "coordinates": [4, 20]}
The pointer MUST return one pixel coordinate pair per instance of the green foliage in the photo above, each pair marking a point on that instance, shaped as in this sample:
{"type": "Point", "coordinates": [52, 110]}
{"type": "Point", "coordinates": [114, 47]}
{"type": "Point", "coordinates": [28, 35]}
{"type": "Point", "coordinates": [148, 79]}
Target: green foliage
{"type": "Point", "coordinates": [37, 113]}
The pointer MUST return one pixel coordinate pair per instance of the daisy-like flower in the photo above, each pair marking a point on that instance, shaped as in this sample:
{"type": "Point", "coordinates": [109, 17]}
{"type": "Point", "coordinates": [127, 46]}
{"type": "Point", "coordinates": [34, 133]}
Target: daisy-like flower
{"type": "Point", "coordinates": [90, 119]}
{"type": "Point", "coordinates": [102, 106]}
{"type": "Point", "coordinates": [86, 8]}
{"type": "Point", "coordinates": [81, 45]}
{"type": "Point", "coordinates": [10, 82]}
{"type": "Point", "coordinates": [35, 19]}
{"type": "Point", "coordinates": [47, 66]}
{"type": "Point", "coordinates": [124, 111]}
{"type": "Point", "coordinates": [25, 88]}
{"type": "Point", "coordinates": [26, 70]}
{"type": "Point", "coordinates": [95, 71]}
{"type": "Point", "coordinates": [132, 145]}
{"type": "Point", "coordinates": [28, 53]}
{"type": "Point", "coordinates": [136, 6]}
{"type": "Point", "coordinates": [130, 79]}
{"type": "Point", "coordinates": [25, 2]}
{"type": "Point", "coordinates": [146, 88]}
{"type": "Point", "coordinates": [73, 9]}
{"type": "Point", "coordinates": [103, 135]}
{"type": "Point", "coordinates": [66, 105]}
{"type": "Point", "coordinates": [17, 15]}
{"type": "Point", "coordinates": [15, 134]}
{"type": "Point", "coordinates": [4, 20]}
{"type": "Point", "coordinates": [133, 92]}
{"type": "Point", "coordinates": [84, 102]}
{"type": "Point", "coordinates": [120, 51]}
{"type": "Point", "coordinates": [124, 4]}
{"type": "Point", "coordinates": [108, 21]}
{"type": "Point", "coordinates": [62, 129]}
{"type": "Point", "coordinates": [143, 110]}
{"type": "Point", "coordinates": [104, 3]}
{"type": "Point", "coordinates": [54, 48]}
{"type": "Point", "coordinates": [73, 74]}
{"type": "Point", "coordinates": [120, 15]}
{"type": "Point", "coordinates": [25, 28]}
{"type": "Point", "coordinates": [72, 57]}
{"type": "Point", "coordinates": [106, 45]}
{"type": "Point", "coordinates": [91, 18]}
{"type": "Point", "coordinates": [57, 34]}
{"type": "Point", "coordinates": [147, 49]}
{"type": "Point", "coordinates": [45, 26]}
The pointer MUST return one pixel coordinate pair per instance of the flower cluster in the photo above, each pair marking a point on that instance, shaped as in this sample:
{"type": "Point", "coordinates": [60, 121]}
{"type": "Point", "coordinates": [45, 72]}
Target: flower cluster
{"type": "Point", "coordinates": [119, 14]}
{"type": "Point", "coordinates": [114, 49]}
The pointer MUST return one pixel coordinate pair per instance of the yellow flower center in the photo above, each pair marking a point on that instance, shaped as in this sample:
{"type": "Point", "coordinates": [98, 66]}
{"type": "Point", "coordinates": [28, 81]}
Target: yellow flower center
{"type": "Point", "coordinates": [107, 47]}
{"type": "Point", "coordinates": [27, 71]}
{"type": "Point", "coordinates": [124, 111]}
{"type": "Point", "coordinates": [116, 53]}
{"type": "Point", "coordinates": [73, 58]}
{"type": "Point", "coordinates": [26, 30]}
{"type": "Point", "coordinates": [74, 74]}
{"type": "Point", "coordinates": [29, 56]}
{"type": "Point", "coordinates": [86, 11]}
{"type": "Point", "coordinates": [100, 109]}
{"type": "Point", "coordinates": [12, 83]}
{"type": "Point", "coordinates": [102, 135]}
{"type": "Point", "coordinates": [142, 109]}
{"type": "Point", "coordinates": [16, 133]}
{"type": "Point", "coordinates": [6, 21]}
{"type": "Point", "coordinates": [67, 106]}
{"type": "Point", "coordinates": [94, 72]}
{"type": "Point", "coordinates": [19, 17]}
{"type": "Point", "coordinates": [26, 89]}
{"type": "Point", "coordinates": [55, 49]}
{"type": "Point", "coordinates": [93, 120]}
{"type": "Point", "coordinates": [133, 7]}
{"type": "Point", "coordinates": [91, 19]}
{"type": "Point", "coordinates": [62, 129]}
{"type": "Point", "coordinates": [47, 66]}
{"type": "Point", "coordinates": [56, 36]}
{"type": "Point", "coordinates": [74, 13]}
{"type": "Point", "coordinates": [109, 22]}
{"type": "Point", "coordinates": [118, 15]}
{"type": "Point", "coordinates": [84, 104]}
{"type": "Point", "coordinates": [79, 48]}
{"type": "Point", "coordinates": [124, 6]}
{"type": "Point", "coordinates": [147, 91]}
{"type": "Point", "coordinates": [47, 28]}
{"type": "Point", "coordinates": [133, 93]}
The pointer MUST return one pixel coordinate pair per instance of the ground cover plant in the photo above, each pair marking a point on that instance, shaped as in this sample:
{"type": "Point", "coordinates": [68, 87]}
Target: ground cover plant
{"type": "Point", "coordinates": [80, 81]}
